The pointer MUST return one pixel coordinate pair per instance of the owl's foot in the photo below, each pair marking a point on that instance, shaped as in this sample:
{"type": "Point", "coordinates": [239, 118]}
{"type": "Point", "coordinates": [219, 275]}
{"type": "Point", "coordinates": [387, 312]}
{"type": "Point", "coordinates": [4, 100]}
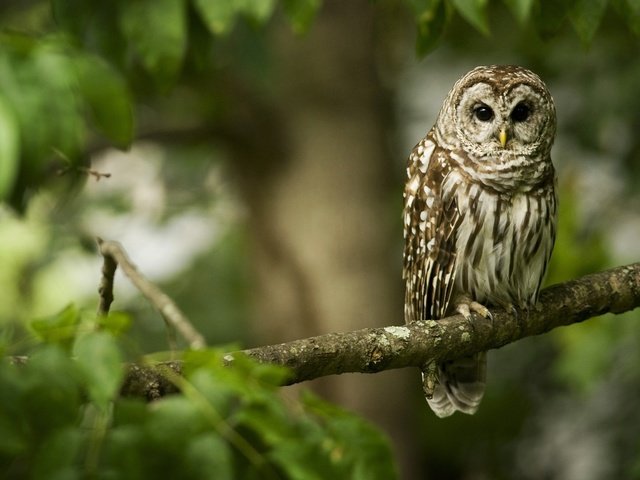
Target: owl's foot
{"type": "Point", "coordinates": [520, 319]}
{"type": "Point", "coordinates": [465, 306]}
{"type": "Point", "coordinates": [520, 313]}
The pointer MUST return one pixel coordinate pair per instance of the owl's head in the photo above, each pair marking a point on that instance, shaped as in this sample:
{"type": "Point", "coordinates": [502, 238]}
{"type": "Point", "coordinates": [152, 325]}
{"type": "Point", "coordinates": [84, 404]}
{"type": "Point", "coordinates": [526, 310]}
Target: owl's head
{"type": "Point", "coordinates": [496, 110]}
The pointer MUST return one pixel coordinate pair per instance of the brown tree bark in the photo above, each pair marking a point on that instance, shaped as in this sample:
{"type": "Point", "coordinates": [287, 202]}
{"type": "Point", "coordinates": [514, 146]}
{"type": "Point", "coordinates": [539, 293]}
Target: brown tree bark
{"type": "Point", "coordinates": [374, 350]}
{"type": "Point", "coordinates": [319, 202]}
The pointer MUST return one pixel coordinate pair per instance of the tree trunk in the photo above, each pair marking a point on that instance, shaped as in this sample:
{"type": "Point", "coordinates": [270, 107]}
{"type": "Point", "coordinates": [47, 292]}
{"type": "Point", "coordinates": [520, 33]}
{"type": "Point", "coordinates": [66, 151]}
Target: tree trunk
{"type": "Point", "coordinates": [323, 232]}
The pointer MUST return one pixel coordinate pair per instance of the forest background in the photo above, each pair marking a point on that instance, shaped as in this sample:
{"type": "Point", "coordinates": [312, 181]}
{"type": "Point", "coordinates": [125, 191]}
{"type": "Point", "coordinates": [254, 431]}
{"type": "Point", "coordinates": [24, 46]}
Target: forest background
{"type": "Point", "coordinates": [250, 157]}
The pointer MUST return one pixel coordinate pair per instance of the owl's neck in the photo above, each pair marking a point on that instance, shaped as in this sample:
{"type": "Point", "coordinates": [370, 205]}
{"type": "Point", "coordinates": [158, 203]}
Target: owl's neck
{"type": "Point", "coordinates": [506, 173]}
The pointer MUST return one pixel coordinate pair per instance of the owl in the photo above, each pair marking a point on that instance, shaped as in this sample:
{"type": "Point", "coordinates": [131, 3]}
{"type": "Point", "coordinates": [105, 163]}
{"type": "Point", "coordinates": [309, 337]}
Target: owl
{"type": "Point", "coordinates": [479, 214]}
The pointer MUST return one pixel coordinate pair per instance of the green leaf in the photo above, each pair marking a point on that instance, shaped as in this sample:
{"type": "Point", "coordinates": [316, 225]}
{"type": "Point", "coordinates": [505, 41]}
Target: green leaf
{"type": "Point", "coordinates": [21, 81]}
{"type": "Point", "coordinates": [156, 31]}
{"type": "Point", "coordinates": [115, 323]}
{"type": "Point", "coordinates": [432, 17]}
{"type": "Point", "coordinates": [356, 446]}
{"type": "Point", "coordinates": [208, 456]}
{"type": "Point", "coordinates": [474, 12]}
{"type": "Point", "coordinates": [71, 15]}
{"type": "Point", "coordinates": [94, 25]}
{"type": "Point", "coordinates": [550, 17]}
{"type": "Point", "coordinates": [174, 421]}
{"type": "Point", "coordinates": [303, 460]}
{"type": "Point", "coordinates": [521, 9]}
{"type": "Point", "coordinates": [209, 359]}
{"type": "Point", "coordinates": [58, 455]}
{"type": "Point", "coordinates": [260, 10]}
{"type": "Point", "coordinates": [586, 16]}
{"type": "Point", "coordinates": [100, 360]}
{"type": "Point", "coordinates": [218, 15]}
{"type": "Point", "coordinates": [58, 97]}
{"type": "Point", "coordinates": [268, 375]}
{"type": "Point", "coordinates": [59, 328]}
{"type": "Point", "coordinates": [9, 149]}
{"type": "Point", "coordinates": [13, 435]}
{"type": "Point", "coordinates": [45, 146]}
{"type": "Point", "coordinates": [108, 99]}
{"type": "Point", "coordinates": [52, 382]}
{"type": "Point", "coordinates": [301, 13]}
{"type": "Point", "coordinates": [130, 411]}
{"type": "Point", "coordinates": [269, 421]}
{"type": "Point", "coordinates": [127, 438]}
{"type": "Point", "coordinates": [634, 6]}
{"type": "Point", "coordinates": [629, 10]}
{"type": "Point", "coordinates": [219, 392]}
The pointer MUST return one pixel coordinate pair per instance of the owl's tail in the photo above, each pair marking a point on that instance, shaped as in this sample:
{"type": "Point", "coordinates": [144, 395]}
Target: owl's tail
{"type": "Point", "coordinates": [460, 385]}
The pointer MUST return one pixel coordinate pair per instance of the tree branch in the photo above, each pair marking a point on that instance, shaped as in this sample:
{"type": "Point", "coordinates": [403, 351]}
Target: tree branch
{"type": "Point", "coordinates": [114, 255]}
{"type": "Point", "coordinates": [373, 350]}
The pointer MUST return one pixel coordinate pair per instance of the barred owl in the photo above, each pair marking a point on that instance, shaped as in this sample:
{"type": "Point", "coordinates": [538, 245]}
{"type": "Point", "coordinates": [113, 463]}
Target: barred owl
{"type": "Point", "coordinates": [479, 214]}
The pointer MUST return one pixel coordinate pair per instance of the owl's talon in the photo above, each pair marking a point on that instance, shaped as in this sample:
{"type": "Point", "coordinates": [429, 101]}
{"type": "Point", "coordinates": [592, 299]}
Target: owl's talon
{"type": "Point", "coordinates": [520, 319]}
{"type": "Point", "coordinates": [465, 308]}
{"type": "Point", "coordinates": [481, 310]}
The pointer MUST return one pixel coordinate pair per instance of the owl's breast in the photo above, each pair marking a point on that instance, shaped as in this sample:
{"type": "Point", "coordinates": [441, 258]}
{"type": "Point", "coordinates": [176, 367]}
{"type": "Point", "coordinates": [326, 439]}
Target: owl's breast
{"type": "Point", "coordinates": [503, 243]}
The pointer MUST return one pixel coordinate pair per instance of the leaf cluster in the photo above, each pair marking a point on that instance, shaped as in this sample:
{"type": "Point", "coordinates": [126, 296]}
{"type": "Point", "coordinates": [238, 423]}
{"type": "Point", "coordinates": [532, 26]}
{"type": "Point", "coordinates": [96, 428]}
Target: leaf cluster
{"type": "Point", "coordinates": [82, 68]}
{"type": "Point", "coordinates": [61, 416]}
{"type": "Point", "coordinates": [72, 76]}
{"type": "Point", "coordinates": [547, 17]}
{"type": "Point", "coordinates": [49, 90]}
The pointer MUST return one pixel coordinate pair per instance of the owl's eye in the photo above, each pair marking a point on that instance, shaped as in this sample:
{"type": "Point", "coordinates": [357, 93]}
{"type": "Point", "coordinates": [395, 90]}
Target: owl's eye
{"type": "Point", "coordinates": [483, 113]}
{"type": "Point", "coordinates": [520, 112]}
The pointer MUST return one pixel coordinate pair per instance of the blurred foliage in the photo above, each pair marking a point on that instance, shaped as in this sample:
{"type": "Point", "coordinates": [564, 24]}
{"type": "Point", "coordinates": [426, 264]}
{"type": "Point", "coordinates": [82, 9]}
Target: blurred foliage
{"type": "Point", "coordinates": [229, 422]}
{"type": "Point", "coordinates": [35, 150]}
{"type": "Point", "coordinates": [548, 17]}
{"type": "Point", "coordinates": [94, 57]}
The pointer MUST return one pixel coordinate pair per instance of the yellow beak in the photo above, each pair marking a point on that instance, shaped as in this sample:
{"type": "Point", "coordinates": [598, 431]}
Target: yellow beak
{"type": "Point", "coordinates": [503, 136]}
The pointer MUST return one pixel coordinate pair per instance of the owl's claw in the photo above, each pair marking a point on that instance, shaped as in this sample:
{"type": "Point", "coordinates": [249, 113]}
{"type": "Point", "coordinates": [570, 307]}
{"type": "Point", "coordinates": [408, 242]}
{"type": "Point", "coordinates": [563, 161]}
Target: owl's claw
{"type": "Point", "coordinates": [514, 311]}
{"type": "Point", "coordinates": [520, 319]}
{"type": "Point", "coordinates": [465, 308]}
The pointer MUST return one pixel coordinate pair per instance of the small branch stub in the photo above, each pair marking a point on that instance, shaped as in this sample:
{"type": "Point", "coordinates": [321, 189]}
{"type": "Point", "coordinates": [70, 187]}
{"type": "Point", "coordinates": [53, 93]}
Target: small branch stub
{"type": "Point", "coordinates": [105, 291]}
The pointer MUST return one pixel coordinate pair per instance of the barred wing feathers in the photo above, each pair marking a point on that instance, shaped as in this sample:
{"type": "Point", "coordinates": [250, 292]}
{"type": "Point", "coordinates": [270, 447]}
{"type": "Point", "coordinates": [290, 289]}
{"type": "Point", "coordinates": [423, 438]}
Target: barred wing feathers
{"type": "Point", "coordinates": [430, 223]}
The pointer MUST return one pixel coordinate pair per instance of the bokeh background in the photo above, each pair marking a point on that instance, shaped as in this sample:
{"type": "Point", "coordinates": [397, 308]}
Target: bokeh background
{"type": "Point", "coordinates": [262, 190]}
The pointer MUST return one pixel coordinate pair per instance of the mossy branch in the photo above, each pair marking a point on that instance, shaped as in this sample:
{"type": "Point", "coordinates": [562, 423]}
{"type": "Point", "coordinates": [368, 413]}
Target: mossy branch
{"type": "Point", "coordinates": [372, 350]}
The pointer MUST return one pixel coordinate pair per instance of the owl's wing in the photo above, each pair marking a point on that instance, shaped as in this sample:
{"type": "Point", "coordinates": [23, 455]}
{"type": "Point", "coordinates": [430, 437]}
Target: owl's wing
{"type": "Point", "coordinates": [430, 223]}
{"type": "Point", "coordinates": [431, 220]}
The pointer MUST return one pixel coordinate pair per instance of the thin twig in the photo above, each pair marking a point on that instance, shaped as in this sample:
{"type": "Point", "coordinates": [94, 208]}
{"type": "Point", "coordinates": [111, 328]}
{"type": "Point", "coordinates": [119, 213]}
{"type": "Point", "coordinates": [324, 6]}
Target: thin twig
{"type": "Point", "coordinates": [167, 308]}
{"type": "Point", "coordinates": [94, 173]}
{"type": "Point", "coordinates": [72, 167]}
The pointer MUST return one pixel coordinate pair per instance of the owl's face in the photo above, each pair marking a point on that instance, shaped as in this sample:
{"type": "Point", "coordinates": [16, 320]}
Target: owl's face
{"type": "Point", "coordinates": [498, 112]}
